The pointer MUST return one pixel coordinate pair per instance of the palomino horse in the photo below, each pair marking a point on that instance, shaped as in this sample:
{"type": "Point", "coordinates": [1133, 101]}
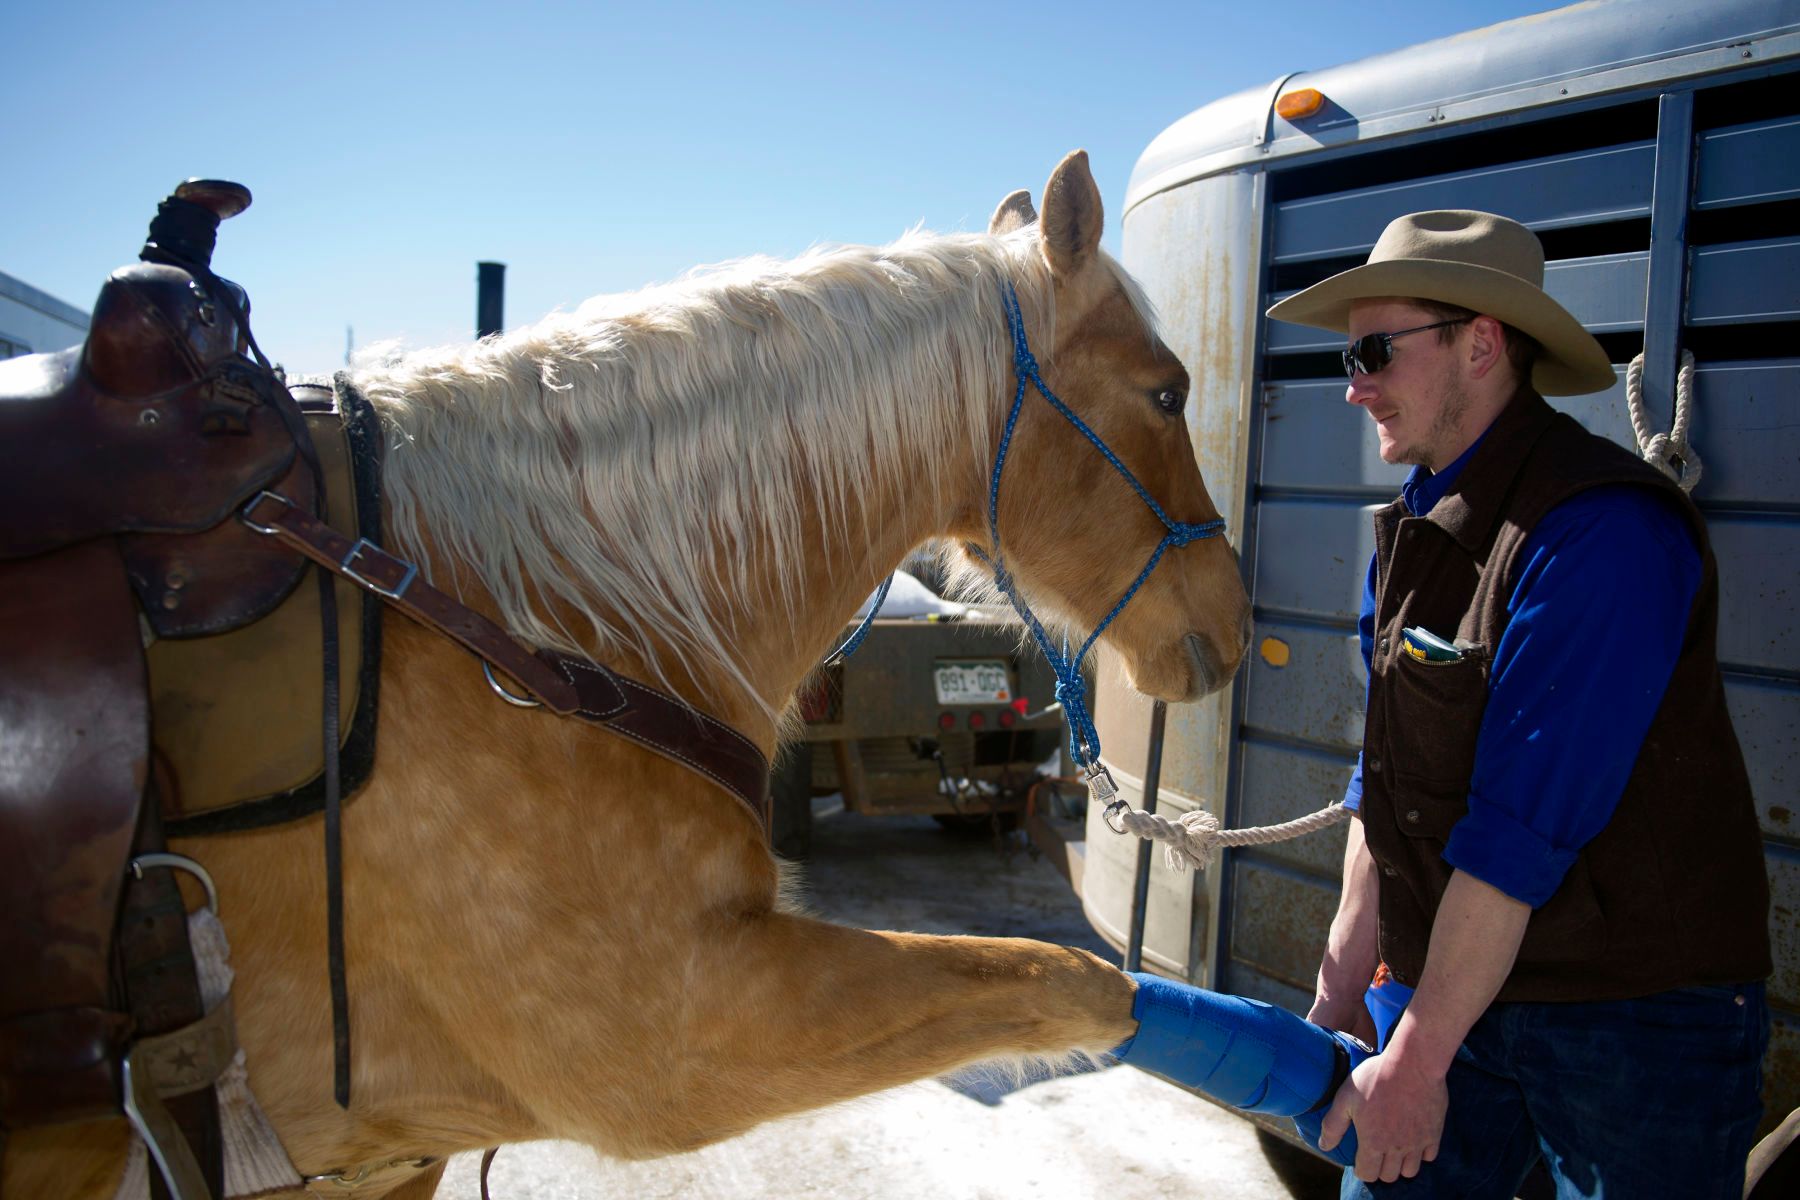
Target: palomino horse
{"type": "Point", "coordinates": [553, 933]}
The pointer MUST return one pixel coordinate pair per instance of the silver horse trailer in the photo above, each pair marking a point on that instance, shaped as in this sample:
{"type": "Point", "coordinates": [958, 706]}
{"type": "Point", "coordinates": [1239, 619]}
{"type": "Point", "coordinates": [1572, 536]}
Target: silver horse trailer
{"type": "Point", "coordinates": [1654, 146]}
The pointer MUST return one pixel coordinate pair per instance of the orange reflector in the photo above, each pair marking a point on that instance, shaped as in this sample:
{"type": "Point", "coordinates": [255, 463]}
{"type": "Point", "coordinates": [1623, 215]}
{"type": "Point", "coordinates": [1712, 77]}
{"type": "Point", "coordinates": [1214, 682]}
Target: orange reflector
{"type": "Point", "coordinates": [1274, 652]}
{"type": "Point", "coordinates": [1303, 103]}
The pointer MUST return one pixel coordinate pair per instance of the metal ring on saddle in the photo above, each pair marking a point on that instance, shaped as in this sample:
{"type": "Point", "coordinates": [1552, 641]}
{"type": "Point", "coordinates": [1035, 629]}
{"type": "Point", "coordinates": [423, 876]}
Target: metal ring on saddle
{"type": "Point", "coordinates": [500, 690]}
{"type": "Point", "coordinates": [180, 862]}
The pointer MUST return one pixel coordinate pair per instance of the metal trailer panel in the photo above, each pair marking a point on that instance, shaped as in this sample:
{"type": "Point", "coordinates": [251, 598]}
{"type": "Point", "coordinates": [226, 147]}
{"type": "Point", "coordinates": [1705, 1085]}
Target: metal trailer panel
{"type": "Point", "coordinates": [1748, 164]}
{"type": "Point", "coordinates": [1586, 52]}
{"type": "Point", "coordinates": [1606, 289]}
{"type": "Point", "coordinates": [1620, 219]}
{"type": "Point", "coordinates": [1608, 184]}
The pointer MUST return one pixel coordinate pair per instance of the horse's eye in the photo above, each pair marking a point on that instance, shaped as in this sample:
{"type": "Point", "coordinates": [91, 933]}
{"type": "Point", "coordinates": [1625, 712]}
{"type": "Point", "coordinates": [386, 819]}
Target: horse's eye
{"type": "Point", "coordinates": [1171, 400]}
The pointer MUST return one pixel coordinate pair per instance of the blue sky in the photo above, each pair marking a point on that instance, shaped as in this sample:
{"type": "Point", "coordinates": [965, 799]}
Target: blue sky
{"type": "Point", "coordinates": [594, 147]}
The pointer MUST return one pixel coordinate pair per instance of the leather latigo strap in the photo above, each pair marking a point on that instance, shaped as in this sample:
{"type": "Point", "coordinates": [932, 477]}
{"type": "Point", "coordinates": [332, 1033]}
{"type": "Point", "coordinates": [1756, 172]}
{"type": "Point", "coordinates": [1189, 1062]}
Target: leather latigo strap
{"type": "Point", "coordinates": [570, 686]}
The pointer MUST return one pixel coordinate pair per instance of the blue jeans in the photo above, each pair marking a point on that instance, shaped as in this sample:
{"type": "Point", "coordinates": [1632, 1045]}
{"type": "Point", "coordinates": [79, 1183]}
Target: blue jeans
{"type": "Point", "coordinates": [1658, 1096]}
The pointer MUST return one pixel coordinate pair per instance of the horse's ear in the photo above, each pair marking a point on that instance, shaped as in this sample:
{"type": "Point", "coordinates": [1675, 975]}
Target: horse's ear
{"type": "Point", "coordinates": [1015, 212]}
{"type": "Point", "coordinates": [1072, 215]}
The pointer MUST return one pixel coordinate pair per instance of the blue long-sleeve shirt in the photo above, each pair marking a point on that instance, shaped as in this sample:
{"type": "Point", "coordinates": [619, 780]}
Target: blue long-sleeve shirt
{"type": "Point", "coordinates": [1597, 614]}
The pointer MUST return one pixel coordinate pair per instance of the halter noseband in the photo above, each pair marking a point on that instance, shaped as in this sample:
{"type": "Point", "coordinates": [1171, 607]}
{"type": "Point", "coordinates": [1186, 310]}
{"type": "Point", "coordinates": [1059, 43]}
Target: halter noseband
{"type": "Point", "coordinates": [1071, 692]}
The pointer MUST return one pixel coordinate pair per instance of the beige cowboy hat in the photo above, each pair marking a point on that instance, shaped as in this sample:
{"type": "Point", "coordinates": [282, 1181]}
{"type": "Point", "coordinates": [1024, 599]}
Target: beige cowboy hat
{"type": "Point", "coordinates": [1478, 261]}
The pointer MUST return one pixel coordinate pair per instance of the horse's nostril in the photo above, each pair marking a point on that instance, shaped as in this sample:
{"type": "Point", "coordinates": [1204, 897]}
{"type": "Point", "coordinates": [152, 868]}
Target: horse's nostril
{"type": "Point", "coordinates": [1205, 661]}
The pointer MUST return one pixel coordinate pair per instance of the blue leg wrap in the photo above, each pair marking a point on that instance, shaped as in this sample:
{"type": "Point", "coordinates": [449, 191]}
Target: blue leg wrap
{"type": "Point", "coordinates": [1244, 1053]}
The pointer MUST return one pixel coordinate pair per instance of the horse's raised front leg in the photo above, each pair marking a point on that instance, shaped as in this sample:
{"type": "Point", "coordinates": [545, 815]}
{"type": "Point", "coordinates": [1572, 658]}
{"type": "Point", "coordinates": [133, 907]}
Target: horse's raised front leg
{"type": "Point", "coordinates": [794, 1013]}
{"type": "Point", "coordinates": [800, 1013]}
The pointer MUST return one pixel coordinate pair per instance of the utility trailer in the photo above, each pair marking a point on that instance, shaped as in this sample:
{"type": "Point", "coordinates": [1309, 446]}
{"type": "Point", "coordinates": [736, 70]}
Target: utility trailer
{"type": "Point", "coordinates": [949, 712]}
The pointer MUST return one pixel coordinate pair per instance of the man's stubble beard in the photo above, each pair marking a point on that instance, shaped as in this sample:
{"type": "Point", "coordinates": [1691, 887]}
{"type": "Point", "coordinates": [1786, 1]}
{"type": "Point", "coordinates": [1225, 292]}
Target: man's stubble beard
{"type": "Point", "coordinates": [1446, 427]}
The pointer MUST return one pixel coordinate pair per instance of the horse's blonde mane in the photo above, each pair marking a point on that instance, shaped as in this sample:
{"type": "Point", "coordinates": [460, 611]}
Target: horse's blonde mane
{"type": "Point", "coordinates": [651, 455]}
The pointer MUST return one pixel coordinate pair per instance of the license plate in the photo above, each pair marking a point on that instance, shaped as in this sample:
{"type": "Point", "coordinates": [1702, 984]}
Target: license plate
{"type": "Point", "coordinates": [972, 681]}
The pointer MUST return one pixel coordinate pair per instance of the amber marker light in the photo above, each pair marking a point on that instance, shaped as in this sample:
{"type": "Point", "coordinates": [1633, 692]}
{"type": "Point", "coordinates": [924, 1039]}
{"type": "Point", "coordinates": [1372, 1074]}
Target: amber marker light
{"type": "Point", "coordinates": [1303, 103]}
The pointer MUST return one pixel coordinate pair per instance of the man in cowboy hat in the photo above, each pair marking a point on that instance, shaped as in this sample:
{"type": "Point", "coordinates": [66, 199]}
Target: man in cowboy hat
{"type": "Point", "coordinates": [1557, 860]}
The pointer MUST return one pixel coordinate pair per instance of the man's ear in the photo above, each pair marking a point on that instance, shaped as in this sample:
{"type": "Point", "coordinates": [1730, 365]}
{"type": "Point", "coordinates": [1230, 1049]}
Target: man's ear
{"type": "Point", "coordinates": [1487, 346]}
{"type": "Point", "coordinates": [1072, 216]}
{"type": "Point", "coordinates": [1015, 212]}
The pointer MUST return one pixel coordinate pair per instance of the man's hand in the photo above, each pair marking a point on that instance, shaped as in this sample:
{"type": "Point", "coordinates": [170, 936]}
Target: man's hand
{"type": "Point", "coordinates": [1399, 1115]}
{"type": "Point", "coordinates": [1398, 1098]}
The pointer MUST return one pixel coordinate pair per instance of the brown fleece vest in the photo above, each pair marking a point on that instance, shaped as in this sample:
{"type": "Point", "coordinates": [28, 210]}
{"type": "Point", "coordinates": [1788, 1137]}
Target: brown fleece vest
{"type": "Point", "coordinates": [1672, 892]}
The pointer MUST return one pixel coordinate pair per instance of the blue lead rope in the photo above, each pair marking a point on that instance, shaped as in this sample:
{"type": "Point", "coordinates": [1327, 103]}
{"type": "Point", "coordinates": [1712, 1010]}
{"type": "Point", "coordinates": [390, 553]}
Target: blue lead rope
{"type": "Point", "coordinates": [862, 631]}
{"type": "Point", "coordinates": [1071, 691]}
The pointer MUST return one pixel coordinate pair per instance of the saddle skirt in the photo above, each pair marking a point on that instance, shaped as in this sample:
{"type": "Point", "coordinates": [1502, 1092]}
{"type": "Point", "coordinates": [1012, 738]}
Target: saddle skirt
{"type": "Point", "coordinates": [236, 715]}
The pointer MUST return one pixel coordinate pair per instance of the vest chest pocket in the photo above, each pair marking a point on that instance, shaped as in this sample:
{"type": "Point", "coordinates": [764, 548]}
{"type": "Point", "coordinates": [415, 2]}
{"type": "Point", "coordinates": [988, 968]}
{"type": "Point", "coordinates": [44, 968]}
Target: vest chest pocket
{"type": "Point", "coordinates": [1433, 719]}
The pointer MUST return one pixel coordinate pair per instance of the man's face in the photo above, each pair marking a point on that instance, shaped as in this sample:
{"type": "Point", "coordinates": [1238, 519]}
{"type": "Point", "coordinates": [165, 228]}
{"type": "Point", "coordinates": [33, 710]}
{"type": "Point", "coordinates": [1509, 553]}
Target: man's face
{"type": "Point", "coordinates": [1418, 401]}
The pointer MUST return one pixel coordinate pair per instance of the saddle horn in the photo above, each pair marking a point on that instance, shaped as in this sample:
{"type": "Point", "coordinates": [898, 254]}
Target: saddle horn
{"type": "Point", "coordinates": [158, 323]}
{"type": "Point", "coordinates": [186, 225]}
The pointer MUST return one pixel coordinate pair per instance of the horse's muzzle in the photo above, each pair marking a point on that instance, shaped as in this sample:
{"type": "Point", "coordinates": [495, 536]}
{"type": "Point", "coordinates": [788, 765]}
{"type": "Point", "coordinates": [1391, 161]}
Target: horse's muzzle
{"type": "Point", "coordinates": [1207, 665]}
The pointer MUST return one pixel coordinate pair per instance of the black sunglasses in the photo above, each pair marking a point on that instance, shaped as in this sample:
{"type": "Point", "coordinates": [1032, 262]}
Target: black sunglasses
{"type": "Point", "coordinates": [1373, 351]}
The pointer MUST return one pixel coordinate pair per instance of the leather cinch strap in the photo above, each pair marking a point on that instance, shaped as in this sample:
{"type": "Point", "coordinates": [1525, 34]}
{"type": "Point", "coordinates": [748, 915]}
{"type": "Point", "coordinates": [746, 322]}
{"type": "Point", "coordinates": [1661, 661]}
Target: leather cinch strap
{"type": "Point", "coordinates": [572, 687]}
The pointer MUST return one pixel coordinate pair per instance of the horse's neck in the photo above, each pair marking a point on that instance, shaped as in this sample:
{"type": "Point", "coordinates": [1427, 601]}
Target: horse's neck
{"type": "Point", "coordinates": [776, 601]}
{"type": "Point", "coordinates": [848, 561]}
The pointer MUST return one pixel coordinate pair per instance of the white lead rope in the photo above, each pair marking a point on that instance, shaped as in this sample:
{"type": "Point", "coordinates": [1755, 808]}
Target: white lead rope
{"type": "Point", "coordinates": [1668, 452]}
{"type": "Point", "coordinates": [1193, 839]}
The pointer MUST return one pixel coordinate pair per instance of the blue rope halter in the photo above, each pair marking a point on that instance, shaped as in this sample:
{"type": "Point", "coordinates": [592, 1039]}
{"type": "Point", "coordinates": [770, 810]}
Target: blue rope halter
{"type": "Point", "coordinates": [1071, 691]}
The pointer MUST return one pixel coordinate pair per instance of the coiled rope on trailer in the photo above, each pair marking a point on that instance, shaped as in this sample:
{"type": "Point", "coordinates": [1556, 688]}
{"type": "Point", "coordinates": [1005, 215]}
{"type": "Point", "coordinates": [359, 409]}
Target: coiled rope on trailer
{"type": "Point", "coordinates": [1193, 839]}
{"type": "Point", "coordinates": [1670, 452]}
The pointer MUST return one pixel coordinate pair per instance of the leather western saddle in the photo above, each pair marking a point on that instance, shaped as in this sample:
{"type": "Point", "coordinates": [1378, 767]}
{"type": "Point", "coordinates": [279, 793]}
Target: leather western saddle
{"type": "Point", "coordinates": [122, 462]}
{"type": "Point", "coordinates": [164, 492]}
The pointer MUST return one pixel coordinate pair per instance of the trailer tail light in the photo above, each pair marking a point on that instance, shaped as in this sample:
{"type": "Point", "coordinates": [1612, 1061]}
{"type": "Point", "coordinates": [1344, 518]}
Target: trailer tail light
{"type": "Point", "coordinates": [946, 721]}
{"type": "Point", "coordinates": [977, 721]}
{"type": "Point", "coordinates": [1008, 718]}
{"type": "Point", "coordinates": [1302, 103]}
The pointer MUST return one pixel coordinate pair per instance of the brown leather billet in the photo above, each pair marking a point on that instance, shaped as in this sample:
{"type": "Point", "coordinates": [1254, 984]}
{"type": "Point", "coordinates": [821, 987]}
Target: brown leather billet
{"type": "Point", "coordinates": [161, 984]}
{"type": "Point", "coordinates": [569, 686]}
